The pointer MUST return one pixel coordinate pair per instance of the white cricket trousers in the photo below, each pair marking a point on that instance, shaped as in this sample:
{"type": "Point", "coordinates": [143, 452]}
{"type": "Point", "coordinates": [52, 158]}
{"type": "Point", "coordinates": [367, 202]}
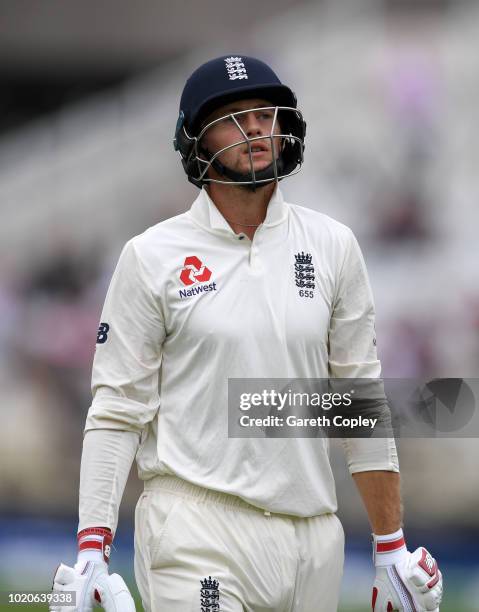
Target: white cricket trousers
{"type": "Point", "coordinates": [198, 550]}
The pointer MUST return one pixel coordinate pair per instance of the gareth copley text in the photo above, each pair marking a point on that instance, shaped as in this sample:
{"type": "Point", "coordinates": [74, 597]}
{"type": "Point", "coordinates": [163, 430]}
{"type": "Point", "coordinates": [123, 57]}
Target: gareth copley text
{"type": "Point", "coordinates": [294, 421]}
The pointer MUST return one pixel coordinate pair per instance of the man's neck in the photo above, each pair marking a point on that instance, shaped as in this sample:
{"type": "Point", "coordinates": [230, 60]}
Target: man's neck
{"type": "Point", "coordinates": [244, 209]}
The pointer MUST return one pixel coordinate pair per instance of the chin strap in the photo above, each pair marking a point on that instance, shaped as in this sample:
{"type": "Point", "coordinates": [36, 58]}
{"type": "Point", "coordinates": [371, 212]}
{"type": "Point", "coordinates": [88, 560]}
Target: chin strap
{"type": "Point", "coordinates": [266, 175]}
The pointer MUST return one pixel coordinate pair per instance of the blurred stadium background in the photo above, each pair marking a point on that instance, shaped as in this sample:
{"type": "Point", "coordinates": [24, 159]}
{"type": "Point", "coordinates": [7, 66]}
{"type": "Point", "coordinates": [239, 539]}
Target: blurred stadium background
{"type": "Point", "coordinates": [88, 103]}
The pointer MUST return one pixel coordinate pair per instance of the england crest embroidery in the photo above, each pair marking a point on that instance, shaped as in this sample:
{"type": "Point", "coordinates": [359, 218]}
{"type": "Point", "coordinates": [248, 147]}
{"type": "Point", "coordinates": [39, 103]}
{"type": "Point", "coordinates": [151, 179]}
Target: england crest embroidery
{"type": "Point", "coordinates": [304, 274]}
{"type": "Point", "coordinates": [235, 68]}
{"type": "Point", "coordinates": [210, 595]}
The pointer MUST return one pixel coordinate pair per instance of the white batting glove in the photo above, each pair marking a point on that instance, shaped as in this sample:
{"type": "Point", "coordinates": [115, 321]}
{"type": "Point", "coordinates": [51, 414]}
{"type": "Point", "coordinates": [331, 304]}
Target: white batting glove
{"type": "Point", "coordinates": [89, 579]}
{"type": "Point", "coordinates": [93, 586]}
{"type": "Point", "coordinates": [405, 582]}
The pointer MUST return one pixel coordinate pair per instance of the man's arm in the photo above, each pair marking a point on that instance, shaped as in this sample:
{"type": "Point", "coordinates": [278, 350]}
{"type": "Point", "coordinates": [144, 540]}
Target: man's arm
{"type": "Point", "coordinates": [125, 399]}
{"type": "Point", "coordinates": [380, 492]}
{"type": "Point", "coordinates": [404, 581]}
{"type": "Point", "coordinates": [353, 355]}
{"type": "Point", "coordinates": [125, 388]}
{"type": "Point", "coordinates": [106, 461]}
{"type": "Point", "coordinates": [107, 457]}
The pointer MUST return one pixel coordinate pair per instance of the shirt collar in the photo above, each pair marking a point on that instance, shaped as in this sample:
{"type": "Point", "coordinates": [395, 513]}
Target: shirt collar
{"type": "Point", "coordinates": [207, 215]}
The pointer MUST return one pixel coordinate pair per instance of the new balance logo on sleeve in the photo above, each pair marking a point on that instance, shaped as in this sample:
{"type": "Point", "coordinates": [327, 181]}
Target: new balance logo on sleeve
{"type": "Point", "coordinates": [102, 335]}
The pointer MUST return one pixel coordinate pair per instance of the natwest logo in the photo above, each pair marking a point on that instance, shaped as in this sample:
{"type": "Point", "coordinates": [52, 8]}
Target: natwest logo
{"type": "Point", "coordinates": [194, 271]}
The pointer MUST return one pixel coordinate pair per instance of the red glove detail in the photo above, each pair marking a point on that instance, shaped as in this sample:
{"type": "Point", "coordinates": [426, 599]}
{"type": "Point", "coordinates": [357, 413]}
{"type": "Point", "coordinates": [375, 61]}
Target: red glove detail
{"type": "Point", "coordinates": [96, 538]}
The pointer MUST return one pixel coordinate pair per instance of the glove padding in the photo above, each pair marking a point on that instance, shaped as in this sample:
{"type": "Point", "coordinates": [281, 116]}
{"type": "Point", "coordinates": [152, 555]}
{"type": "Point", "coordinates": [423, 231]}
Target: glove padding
{"type": "Point", "coordinates": [412, 585]}
{"type": "Point", "coordinates": [93, 587]}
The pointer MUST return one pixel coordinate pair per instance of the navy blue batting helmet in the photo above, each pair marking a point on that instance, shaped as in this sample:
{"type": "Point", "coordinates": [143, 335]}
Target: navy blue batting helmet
{"type": "Point", "coordinates": [224, 80]}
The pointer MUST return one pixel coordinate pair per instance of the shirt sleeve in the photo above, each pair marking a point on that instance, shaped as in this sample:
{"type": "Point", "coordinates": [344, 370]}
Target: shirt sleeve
{"type": "Point", "coordinates": [128, 351]}
{"type": "Point", "coordinates": [352, 354]}
{"type": "Point", "coordinates": [352, 337]}
{"type": "Point", "coordinates": [367, 454]}
{"type": "Point", "coordinates": [106, 461]}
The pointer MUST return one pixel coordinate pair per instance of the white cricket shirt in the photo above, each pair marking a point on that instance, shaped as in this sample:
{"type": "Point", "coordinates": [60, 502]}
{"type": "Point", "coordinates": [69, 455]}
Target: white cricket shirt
{"type": "Point", "coordinates": [192, 304]}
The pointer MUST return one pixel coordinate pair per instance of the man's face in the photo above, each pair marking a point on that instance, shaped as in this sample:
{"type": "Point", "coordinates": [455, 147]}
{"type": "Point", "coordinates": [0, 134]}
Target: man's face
{"type": "Point", "coordinates": [256, 123]}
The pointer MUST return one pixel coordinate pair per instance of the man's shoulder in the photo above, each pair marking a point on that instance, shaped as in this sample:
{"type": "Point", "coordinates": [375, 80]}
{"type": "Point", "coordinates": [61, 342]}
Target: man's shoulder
{"type": "Point", "coordinates": [158, 244]}
{"type": "Point", "coordinates": [319, 223]}
{"type": "Point", "coordinates": [163, 229]}
{"type": "Point", "coordinates": [162, 236]}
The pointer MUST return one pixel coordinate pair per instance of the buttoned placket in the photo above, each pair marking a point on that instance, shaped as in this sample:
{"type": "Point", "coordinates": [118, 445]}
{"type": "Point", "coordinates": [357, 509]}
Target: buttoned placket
{"type": "Point", "coordinates": [252, 245]}
{"type": "Point", "coordinates": [218, 224]}
{"type": "Point", "coordinates": [254, 260]}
